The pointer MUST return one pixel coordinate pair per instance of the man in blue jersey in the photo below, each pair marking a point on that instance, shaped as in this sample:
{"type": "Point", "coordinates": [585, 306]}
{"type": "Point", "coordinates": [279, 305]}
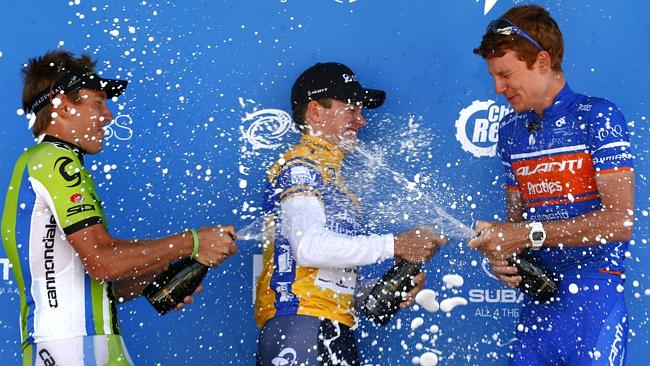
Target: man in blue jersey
{"type": "Point", "coordinates": [570, 196]}
{"type": "Point", "coordinates": [314, 240]}
{"type": "Point", "coordinates": [69, 270]}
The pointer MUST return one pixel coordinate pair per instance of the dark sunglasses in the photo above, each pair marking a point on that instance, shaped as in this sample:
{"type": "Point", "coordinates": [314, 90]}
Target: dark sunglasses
{"type": "Point", "coordinates": [505, 27]}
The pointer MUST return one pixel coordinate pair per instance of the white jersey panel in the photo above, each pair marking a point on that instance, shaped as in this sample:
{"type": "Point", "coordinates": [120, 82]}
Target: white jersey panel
{"type": "Point", "coordinates": [58, 275]}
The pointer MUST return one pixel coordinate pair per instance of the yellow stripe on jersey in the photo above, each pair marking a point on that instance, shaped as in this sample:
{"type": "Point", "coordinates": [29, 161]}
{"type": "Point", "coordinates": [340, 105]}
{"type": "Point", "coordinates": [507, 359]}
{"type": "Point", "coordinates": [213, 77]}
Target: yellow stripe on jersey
{"type": "Point", "coordinates": [311, 168]}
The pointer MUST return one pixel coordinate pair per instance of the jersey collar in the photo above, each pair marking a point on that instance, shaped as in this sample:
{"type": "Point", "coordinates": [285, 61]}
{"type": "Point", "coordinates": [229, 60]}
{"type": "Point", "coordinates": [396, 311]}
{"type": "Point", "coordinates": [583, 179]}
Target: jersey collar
{"type": "Point", "coordinates": [76, 149]}
{"type": "Point", "coordinates": [561, 100]}
{"type": "Point", "coordinates": [329, 152]}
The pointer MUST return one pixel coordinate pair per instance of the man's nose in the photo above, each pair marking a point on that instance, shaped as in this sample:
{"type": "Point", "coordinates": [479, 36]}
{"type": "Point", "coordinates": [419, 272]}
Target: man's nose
{"type": "Point", "coordinates": [359, 120]}
{"type": "Point", "coordinates": [500, 86]}
{"type": "Point", "coordinates": [107, 116]}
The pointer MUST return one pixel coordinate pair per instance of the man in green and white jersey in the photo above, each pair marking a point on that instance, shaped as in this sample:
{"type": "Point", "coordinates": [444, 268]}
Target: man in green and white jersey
{"type": "Point", "coordinates": [69, 270]}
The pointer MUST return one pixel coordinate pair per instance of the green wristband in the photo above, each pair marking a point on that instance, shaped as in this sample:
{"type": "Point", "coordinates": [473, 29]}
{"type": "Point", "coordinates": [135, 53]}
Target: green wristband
{"type": "Point", "coordinates": [195, 236]}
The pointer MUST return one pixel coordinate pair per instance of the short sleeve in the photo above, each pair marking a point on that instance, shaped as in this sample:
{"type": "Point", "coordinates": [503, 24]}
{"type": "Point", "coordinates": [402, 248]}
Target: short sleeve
{"type": "Point", "coordinates": [58, 177]}
{"type": "Point", "coordinates": [299, 177]}
{"type": "Point", "coordinates": [609, 140]}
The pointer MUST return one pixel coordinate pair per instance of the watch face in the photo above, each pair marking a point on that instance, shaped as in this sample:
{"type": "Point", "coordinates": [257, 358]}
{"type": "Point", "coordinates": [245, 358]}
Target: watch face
{"type": "Point", "coordinates": [538, 235]}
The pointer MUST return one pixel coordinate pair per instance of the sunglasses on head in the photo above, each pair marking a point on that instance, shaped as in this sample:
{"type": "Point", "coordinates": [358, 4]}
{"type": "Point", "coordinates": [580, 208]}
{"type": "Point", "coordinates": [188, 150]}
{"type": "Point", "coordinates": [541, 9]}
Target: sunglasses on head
{"type": "Point", "coordinates": [505, 27]}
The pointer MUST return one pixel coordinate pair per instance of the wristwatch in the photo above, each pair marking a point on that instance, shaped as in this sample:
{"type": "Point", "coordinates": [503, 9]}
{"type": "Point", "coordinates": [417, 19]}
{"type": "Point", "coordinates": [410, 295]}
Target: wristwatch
{"type": "Point", "coordinates": [537, 235]}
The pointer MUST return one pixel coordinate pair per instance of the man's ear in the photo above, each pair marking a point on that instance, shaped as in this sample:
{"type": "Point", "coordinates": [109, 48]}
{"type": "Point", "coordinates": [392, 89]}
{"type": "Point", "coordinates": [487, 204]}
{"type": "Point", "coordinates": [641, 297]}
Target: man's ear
{"type": "Point", "coordinates": [544, 61]}
{"type": "Point", "coordinates": [65, 107]}
{"type": "Point", "coordinates": [313, 113]}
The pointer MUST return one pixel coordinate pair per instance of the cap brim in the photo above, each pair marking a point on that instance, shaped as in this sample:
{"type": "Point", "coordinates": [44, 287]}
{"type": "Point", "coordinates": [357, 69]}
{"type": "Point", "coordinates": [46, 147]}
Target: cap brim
{"type": "Point", "coordinates": [373, 98]}
{"type": "Point", "coordinates": [112, 87]}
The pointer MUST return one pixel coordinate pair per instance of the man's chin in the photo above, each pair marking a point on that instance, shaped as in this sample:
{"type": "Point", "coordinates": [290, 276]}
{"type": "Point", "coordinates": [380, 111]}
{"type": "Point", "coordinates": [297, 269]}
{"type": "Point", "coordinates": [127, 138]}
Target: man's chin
{"type": "Point", "coordinates": [519, 107]}
{"type": "Point", "coordinates": [92, 147]}
{"type": "Point", "coordinates": [93, 150]}
{"type": "Point", "coordinates": [348, 145]}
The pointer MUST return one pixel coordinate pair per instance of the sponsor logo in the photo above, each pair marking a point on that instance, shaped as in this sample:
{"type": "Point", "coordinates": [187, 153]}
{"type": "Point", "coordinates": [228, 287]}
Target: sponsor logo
{"type": "Point", "coordinates": [609, 130]}
{"type": "Point", "coordinates": [317, 91]}
{"type": "Point", "coordinates": [45, 97]}
{"type": "Point", "coordinates": [491, 312]}
{"type": "Point", "coordinates": [48, 262]}
{"type": "Point", "coordinates": [507, 295]}
{"type": "Point", "coordinates": [118, 129]}
{"type": "Point", "coordinates": [621, 156]}
{"type": "Point", "coordinates": [339, 280]}
{"type": "Point", "coordinates": [77, 198]}
{"type": "Point", "coordinates": [301, 175]}
{"type": "Point", "coordinates": [544, 187]}
{"type": "Point", "coordinates": [560, 122]}
{"type": "Point", "coordinates": [79, 209]}
{"type": "Point", "coordinates": [73, 80]}
{"type": "Point", "coordinates": [562, 215]}
{"type": "Point", "coordinates": [494, 296]}
{"type": "Point", "coordinates": [4, 262]}
{"type": "Point", "coordinates": [285, 260]}
{"type": "Point", "coordinates": [61, 164]}
{"type": "Point", "coordinates": [349, 78]}
{"type": "Point", "coordinates": [267, 128]}
{"type": "Point", "coordinates": [46, 357]}
{"type": "Point", "coordinates": [553, 166]}
{"type": "Point", "coordinates": [345, 228]}
{"type": "Point", "coordinates": [531, 139]}
{"type": "Point", "coordinates": [283, 289]}
{"type": "Point", "coordinates": [584, 107]}
{"type": "Point", "coordinates": [617, 347]}
{"type": "Point", "coordinates": [477, 127]}
{"type": "Point", "coordinates": [286, 357]}
{"type": "Point", "coordinates": [484, 266]}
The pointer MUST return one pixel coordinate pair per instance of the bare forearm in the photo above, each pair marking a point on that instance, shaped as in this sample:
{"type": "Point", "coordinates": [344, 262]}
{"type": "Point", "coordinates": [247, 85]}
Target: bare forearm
{"type": "Point", "coordinates": [593, 228]}
{"type": "Point", "coordinates": [129, 289]}
{"type": "Point", "coordinates": [611, 223]}
{"type": "Point", "coordinates": [514, 207]}
{"type": "Point", "coordinates": [117, 259]}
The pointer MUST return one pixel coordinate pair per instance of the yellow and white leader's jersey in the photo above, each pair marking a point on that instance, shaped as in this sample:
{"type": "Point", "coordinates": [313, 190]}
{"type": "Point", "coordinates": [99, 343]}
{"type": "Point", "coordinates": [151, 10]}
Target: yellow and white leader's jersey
{"type": "Point", "coordinates": [313, 242]}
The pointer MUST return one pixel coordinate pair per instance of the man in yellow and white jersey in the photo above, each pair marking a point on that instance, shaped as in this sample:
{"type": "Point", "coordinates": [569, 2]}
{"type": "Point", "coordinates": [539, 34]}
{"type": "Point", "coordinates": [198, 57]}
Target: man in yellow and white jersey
{"type": "Point", "coordinates": [69, 270]}
{"type": "Point", "coordinates": [314, 242]}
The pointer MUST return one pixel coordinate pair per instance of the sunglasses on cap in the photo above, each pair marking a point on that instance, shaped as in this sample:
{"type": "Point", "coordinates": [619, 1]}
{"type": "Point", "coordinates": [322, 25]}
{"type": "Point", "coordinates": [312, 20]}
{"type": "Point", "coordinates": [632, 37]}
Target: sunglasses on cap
{"type": "Point", "coordinates": [505, 27]}
{"type": "Point", "coordinates": [71, 81]}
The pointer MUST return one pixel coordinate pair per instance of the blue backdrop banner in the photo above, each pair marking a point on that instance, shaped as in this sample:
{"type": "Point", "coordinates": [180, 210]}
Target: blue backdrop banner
{"type": "Point", "coordinates": [207, 111]}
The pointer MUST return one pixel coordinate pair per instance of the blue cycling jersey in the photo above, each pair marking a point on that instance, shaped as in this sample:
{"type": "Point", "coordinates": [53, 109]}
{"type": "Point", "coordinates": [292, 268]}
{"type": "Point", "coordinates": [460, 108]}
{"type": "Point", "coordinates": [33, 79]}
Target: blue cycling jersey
{"type": "Point", "coordinates": [554, 161]}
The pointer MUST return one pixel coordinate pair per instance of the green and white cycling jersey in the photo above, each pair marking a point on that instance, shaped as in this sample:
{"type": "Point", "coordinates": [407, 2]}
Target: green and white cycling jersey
{"type": "Point", "coordinates": [51, 195]}
{"type": "Point", "coordinates": [96, 350]}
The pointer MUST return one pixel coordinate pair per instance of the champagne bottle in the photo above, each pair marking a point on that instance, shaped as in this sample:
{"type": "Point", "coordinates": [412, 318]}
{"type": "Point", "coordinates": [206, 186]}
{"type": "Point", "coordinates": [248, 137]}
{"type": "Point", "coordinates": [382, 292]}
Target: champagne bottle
{"type": "Point", "coordinates": [170, 287]}
{"type": "Point", "coordinates": [386, 295]}
{"type": "Point", "coordinates": [536, 280]}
